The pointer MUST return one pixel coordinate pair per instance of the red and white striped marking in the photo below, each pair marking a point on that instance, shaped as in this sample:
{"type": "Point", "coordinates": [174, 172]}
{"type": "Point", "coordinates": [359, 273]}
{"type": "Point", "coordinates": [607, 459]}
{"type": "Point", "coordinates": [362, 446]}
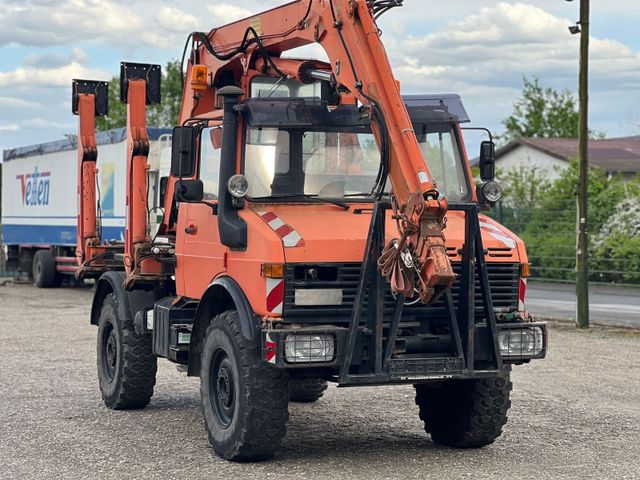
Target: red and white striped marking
{"type": "Point", "coordinates": [269, 350]}
{"type": "Point", "coordinates": [498, 234]}
{"type": "Point", "coordinates": [290, 238]}
{"type": "Point", "coordinates": [522, 291]}
{"type": "Point", "coordinates": [275, 295]}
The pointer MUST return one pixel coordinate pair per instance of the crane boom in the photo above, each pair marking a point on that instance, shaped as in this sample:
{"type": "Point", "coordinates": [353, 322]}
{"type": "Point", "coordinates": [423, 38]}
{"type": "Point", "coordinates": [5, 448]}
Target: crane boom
{"type": "Point", "coordinates": [359, 67]}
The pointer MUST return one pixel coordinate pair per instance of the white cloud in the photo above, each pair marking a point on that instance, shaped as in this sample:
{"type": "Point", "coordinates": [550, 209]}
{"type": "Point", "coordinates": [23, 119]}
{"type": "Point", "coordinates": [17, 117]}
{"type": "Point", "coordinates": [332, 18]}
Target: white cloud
{"type": "Point", "coordinates": [9, 127]}
{"type": "Point", "coordinates": [56, 59]}
{"type": "Point", "coordinates": [224, 13]}
{"type": "Point", "coordinates": [39, 23]}
{"type": "Point", "coordinates": [176, 20]}
{"type": "Point", "coordinates": [499, 44]}
{"type": "Point", "coordinates": [23, 77]}
{"type": "Point", "coordinates": [12, 102]}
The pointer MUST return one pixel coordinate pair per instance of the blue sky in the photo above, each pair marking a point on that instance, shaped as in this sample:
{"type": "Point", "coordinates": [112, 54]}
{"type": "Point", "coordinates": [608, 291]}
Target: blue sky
{"type": "Point", "coordinates": [479, 49]}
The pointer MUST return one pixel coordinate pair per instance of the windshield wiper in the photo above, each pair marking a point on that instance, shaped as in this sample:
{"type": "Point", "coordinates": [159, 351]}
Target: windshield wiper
{"type": "Point", "coordinates": [293, 196]}
{"type": "Point", "coordinates": [366, 195]}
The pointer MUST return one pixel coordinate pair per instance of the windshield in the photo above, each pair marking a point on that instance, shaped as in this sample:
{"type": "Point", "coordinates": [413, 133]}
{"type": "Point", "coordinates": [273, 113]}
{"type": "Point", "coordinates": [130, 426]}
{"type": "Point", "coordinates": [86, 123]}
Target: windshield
{"type": "Point", "coordinates": [317, 163]}
{"type": "Point", "coordinates": [440, 149]}
{"type": "Point", "coordinates": [339, 163]}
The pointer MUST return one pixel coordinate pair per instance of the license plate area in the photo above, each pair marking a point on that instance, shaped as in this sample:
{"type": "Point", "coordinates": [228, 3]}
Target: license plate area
{"type": "Point", "coordinates": [308, 297]}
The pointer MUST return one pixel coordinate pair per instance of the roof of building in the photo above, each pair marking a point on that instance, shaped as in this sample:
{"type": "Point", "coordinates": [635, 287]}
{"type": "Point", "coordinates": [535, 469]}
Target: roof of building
{"type": "Point", "coordinates": [610, 154]}
{"type": "Point", "coordinates": [107, 137]}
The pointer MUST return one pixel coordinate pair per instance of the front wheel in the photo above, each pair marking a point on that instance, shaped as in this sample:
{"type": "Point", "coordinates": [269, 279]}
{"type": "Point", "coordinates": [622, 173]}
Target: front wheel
{"type": "Point", "coordinates": [244, 400]}
{"type": "Point", "coordinates": [465, 413]}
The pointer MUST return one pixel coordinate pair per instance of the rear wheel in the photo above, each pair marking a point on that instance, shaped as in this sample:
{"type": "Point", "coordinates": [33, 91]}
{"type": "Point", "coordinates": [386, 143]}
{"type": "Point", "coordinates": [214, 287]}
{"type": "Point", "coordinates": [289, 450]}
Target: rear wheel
{"type": "Point", "coordinates": [306, 390]}
{"type": "Point", "coordinates": [44, 270]}
{"type": "Point", "coordinates": [465, 413]}
{"type": "Point", "coordinates": [244, 400]}
{"type": "Point", "coordinates": [126, 365]}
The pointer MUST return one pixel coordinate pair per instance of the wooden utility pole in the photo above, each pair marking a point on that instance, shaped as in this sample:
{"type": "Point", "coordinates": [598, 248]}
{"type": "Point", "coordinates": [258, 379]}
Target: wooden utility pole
{"type": "Point", "coordinates": [582, 247]}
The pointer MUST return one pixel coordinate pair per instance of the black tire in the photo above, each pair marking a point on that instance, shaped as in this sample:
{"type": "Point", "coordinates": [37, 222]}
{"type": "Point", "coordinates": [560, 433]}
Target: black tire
{"type": "Point", "coordinates": [126, 365]}
{"type": "Point", "coordinates": [44, 270]}
{"type": "Point", "coordinates": [306, 390]}
{"type": "Point", "coordinates": [244, 400]}
{"type": "Point", "coordinates": [465, 413]}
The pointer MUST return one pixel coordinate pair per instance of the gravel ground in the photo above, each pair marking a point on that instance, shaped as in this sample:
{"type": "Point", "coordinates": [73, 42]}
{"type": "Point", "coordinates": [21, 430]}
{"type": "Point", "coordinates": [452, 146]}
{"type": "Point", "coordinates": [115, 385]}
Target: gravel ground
{"type": "Point", "coordinates": [574, 415]}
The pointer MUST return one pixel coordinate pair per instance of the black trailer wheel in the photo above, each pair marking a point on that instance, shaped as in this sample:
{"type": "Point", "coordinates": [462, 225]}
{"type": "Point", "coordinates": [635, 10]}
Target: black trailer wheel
{"type": "Point", "coordinates": [126, 365]}
{"type": "Point", "coordinates": [465, 413]}
{"type": "Point", "coordinates": [306, 390]}
{"type": "Point", "coordinates": [244, 400]}
{"type": "Point", "coordinates": [44, 270]}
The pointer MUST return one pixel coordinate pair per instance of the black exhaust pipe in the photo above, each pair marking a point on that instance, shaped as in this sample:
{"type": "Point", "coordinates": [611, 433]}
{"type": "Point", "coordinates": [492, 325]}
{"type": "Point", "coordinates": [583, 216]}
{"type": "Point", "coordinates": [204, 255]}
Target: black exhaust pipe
{"type": "Point", "coordinates": [232, 228]}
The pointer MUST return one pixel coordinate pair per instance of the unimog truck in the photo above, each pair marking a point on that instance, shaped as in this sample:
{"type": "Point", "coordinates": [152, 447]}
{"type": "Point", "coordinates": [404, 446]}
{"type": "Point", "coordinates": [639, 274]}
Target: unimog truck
{"type": "Point", "coordinates": [318, 227]}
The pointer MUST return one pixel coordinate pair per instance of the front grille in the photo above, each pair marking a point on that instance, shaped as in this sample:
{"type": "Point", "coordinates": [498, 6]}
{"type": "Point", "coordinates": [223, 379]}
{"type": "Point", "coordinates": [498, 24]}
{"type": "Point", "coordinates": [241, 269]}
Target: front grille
{"type": "Point", "coordinates": [503, 280]}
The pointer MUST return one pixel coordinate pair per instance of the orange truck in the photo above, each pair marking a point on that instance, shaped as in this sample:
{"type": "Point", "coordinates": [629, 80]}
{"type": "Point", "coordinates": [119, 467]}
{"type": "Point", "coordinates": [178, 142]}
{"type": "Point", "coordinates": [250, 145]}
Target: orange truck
{"type": "Point", "coordinates": [318, 227]}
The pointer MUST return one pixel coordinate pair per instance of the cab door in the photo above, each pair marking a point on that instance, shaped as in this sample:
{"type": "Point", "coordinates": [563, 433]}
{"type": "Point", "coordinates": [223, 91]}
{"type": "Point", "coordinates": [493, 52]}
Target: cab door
{"type": "Point", "coordinates": [200, 255]}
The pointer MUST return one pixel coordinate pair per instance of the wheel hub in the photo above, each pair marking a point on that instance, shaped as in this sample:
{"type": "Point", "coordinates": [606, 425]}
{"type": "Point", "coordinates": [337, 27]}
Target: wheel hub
{"type": "Point", "coordinates": [222, 390]}
{"type": "Point", "coordinates": [224, 394]}
{"type": "Point", "coordinates": [111, 351]}
{"type": "Point", "coordinates": [109, 356]}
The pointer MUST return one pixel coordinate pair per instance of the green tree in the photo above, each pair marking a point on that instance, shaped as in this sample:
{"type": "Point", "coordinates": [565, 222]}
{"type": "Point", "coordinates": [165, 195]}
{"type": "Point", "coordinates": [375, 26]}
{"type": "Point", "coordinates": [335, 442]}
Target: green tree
{"type": "Point", "coordinates": [543, 214]}
{"type": "Point", "coordinates": [542, 112]}
{"type": "Point", "coordinates": [164, 115]}
{"type": "Point", "coordinates": [523, 187]}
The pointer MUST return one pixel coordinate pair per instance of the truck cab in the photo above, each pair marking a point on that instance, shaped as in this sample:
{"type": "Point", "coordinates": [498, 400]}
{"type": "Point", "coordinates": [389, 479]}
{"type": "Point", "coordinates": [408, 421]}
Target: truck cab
{"type": "Point", "coordinates": [303, 206]}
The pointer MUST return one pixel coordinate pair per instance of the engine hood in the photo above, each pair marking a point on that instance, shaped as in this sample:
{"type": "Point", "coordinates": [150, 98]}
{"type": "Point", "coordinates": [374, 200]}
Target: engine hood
{"type": "Point", "coordinates": [327, 233]}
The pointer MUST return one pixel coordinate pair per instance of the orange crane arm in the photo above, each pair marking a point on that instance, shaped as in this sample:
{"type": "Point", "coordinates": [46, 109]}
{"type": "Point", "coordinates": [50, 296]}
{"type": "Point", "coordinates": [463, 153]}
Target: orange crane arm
{"type": "Point", "coordinates": [347, 31]}
{"type": "Point", "coordinates": [89, 98]}
{"type": "Point", "coordinates": [140, 86]}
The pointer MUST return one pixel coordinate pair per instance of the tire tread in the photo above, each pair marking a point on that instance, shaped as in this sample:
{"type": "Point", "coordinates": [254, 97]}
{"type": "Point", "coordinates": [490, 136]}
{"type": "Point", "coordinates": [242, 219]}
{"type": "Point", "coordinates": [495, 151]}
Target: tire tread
{"type": "Point", "coordinates": [264, 423]}
{"type": "Point", "coordinates": [139, 365]}
{"type": "Point", "coordinates": [465, 413]}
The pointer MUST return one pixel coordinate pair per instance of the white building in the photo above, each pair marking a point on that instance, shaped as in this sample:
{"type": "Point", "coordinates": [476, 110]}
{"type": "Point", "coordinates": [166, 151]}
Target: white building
{"type": "Point", "coordinates": [551, 156]}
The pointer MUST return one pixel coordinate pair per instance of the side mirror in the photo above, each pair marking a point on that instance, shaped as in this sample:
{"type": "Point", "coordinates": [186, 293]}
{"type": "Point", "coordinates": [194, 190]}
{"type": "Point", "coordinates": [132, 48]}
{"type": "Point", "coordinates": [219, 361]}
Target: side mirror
{"type": "Point", "coordinates": [183, 151]}
{"type": "Point", "coordinates": [487, 161]}
{"type": "Point", "coordinates": [189, 190]}
{"type": "Point", "coordinates": [164, 181]}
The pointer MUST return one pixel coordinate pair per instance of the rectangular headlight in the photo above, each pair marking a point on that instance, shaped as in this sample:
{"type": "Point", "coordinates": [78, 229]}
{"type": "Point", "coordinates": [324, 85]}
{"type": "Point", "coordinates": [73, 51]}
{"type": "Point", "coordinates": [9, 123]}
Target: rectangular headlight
{"type": "Point", "coordinates": [521, 342]}
{"type": "Point", "coordinates": [309, 348]}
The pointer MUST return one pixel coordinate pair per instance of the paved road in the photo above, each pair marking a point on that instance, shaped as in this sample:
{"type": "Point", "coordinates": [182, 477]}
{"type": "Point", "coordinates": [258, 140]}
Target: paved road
{"type": "Point", "coordinates": [574, 415]}
{"type": "Point", "coordinates": [608, 306]}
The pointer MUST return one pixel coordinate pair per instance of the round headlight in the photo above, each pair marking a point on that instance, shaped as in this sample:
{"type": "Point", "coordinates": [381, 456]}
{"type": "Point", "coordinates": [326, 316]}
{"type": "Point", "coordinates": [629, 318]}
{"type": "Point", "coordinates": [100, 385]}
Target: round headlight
{"type": "Point", "coordinates": [238, 186]}
{"type": "Point", "coordinates": [492, 191]}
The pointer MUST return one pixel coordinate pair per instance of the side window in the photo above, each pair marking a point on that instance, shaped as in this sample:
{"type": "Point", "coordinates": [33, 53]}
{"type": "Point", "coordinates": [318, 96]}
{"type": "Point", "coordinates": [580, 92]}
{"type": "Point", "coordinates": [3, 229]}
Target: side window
{"type": "Point", "coordinates": [210, 143]}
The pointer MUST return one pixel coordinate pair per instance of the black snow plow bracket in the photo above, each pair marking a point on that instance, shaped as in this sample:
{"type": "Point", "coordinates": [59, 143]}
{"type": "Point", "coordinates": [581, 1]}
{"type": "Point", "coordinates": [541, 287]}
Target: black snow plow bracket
{"type": "Point", "coordinates": [151, 74]}
{"type": "Point", "coordinates": [380, 366]}
{"type": "Point", "coordinates": [99, 89]}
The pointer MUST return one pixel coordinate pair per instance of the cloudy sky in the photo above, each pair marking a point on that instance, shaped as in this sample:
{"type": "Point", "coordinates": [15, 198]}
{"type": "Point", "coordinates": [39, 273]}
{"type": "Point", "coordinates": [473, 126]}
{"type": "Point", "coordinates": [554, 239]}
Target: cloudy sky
{"type": "Point", "coordinates": [477, 48]}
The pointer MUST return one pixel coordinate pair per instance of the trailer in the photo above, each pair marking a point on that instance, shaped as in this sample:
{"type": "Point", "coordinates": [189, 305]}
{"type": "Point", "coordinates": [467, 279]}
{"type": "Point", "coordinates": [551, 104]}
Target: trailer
{"type": "Point", "coordinates": [40, 204]}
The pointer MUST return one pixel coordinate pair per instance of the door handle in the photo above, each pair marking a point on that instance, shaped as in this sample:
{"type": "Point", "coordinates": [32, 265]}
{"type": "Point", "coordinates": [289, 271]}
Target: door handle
{"type": "Point", "coordinates": [191, 230]}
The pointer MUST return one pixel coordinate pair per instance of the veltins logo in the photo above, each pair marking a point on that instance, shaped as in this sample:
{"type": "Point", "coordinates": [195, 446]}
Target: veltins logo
{"type": "Point", "coordinates": [35, 187]}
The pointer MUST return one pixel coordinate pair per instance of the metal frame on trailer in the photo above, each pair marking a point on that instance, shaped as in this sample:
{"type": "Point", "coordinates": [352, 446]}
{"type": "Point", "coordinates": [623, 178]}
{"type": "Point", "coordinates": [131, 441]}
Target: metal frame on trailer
{"type": "Point", "coordinates": [462, 321]}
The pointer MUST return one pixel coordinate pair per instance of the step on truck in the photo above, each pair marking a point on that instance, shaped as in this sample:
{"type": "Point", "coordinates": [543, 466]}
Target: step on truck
{"type": "Point", "coordinates": [317, 227]}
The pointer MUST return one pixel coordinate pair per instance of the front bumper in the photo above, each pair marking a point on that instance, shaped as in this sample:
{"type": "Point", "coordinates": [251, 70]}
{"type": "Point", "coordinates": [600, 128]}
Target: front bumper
{"type": "Point", "coordinates": [277, 351]}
